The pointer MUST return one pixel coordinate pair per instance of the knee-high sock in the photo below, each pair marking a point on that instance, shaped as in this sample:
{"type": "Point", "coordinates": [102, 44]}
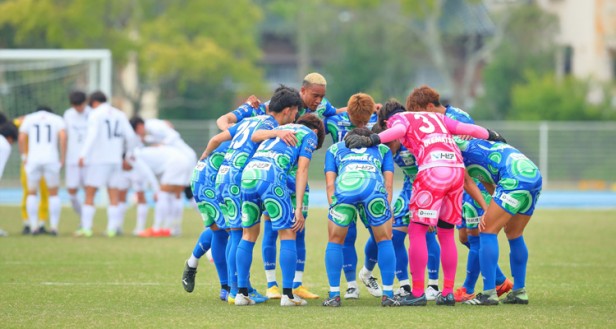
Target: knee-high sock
{"type": "Point", "coordinates": [142, 215]}
{"type": "Point", "coordinates": [300, 245]}
{"type": "Point", "coordinates": [112, 215]}
{"type": "Point", "coordinates": [418, 257]}
{"type": "Point", "coordinates": [201, 247]}
{"type": "Point", "coordinates": [500, 276]}
{"type": "Point", "coordinates": [244, 261]}
{"type": "Point", "coordinates": [219, 245]}
{"type": "Point", "coordinates": [235, 237]}
{"type": "Point", "coordinates": [387, 264]}
{"type": "Point", "coordinates": [288, 260]}
{"type": "Point", "coordinates": [488, 259]}
{"type": "Point", "coordinates": [32, 208]}
{"type": "Point", "coordinates": [177, 213]}
{"type": "Point", "coordinates": [402, 257]}
{"type": "Point", "coordinates": [75, 203]}
{"type": "Point", "coordinates": [162, 210]}
{"type": "Point", "coordinates": [87, 217]}
{"type": "Point", "coordinates": [54, 212]}
{"type": "Point", "coordinates": [268, 252]}
{"type": "Point", "coordinates": [121, 214]}
{"type": "Point", "coordinates": [350, 254]}
{"type": "Point", "coordinates": [434, 255]}
{"type": "Point", "coordinates": [472, 265]}
{"type": "Point", "coordinates": [518, 258]}
{"type": "Point", "coordinates": [449, 257]}
{"type": "Point", "coordinates": [333, 266]}
{"type": "Point", "coordinates": [371, 253]}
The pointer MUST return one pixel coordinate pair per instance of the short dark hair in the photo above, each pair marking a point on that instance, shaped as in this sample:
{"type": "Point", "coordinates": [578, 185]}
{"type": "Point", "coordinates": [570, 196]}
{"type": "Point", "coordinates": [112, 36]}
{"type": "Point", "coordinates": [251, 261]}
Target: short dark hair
{"type": "Point", "coordinates": [98, 96]}
{"type": "Point", "coordinates": [44, 108]}
{"type": "Point", "coordinates": [77, 97]}
{"type": "Point", "coordinates": [361, 132]}
{"type": "Point", "coordinates": [8, 129]}
{"type": "Point", "coordinates": [313, 122]}
{"type": "Point", "coordinates": [135, 121]}
{"type": "Point", "coordinates": [284, 97]}
{"type": "Point", "coordinates": [3, 118]}
{"type": "Point", "coordinates": [390, 108]}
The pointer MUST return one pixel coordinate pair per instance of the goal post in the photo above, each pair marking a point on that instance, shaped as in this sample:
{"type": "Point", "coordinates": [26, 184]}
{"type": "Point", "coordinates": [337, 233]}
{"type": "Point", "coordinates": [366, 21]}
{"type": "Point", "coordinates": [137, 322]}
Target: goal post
{"type": "Point", "coordinates": [31, 77]}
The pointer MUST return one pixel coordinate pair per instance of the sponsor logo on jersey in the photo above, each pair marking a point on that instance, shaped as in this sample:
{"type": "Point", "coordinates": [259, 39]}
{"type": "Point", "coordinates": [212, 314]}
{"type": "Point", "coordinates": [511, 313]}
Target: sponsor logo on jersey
{"type": "Point", "coordinates": [473, 220]}
{"type": "Point", "coordinates": [259, 165]}
{"type": "Point", "coordinates": [224, 169]}
{"type": "Point", "coordinates": [200, 166]}
{"type": "Point", "coordinates": [361, 167]}
{"type": "Point", "coordinates": [358, 158]}
{"type": "Point", "coordinates": [517, 156]}
{"type": "Point", "coordinates": [336, 215]}
{"type": "Point", "coordinates": [438, 139]}
{"type": "Point", "coordinates": [446, 156]}
{"type": "Point", "coordinates": [509, 200]}
{"type": "Point", "coordinates": [427, 213]}
{"type": "Point", "coordinates": [266, 154]}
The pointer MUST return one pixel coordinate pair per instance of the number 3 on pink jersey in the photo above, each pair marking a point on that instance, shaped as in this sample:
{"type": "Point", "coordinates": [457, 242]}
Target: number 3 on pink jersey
{"type": "Point", "coordinates": [429, 121]}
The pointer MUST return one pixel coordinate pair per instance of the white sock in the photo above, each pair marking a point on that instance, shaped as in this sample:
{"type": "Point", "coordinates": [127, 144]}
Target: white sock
{"type": "Point", "coordinates": [87, 217]}
{"type": "Point", "coordinates": [32, 208]}
{"type": "Point", "coordinates": [54, 212]}
{"type": "Point", "coordinates": [270, 275]}
{"type": "Point", "coordinates": [178, 213]}
{"type": "Point", "coordinates": [75, 203]}
{"type": "Point", "coordinates": [193, 261]}
{"type": "Point", "coordinates": [334, 289]}
{"type": "Point", "coordinates": [388, 288]}
{"type": "Point", "coordinates": [161, 210]}
{"type": "Point", "coordinates": [299, 276]}
{"type": "Point", "coordinates": [432, 282]}
{"type": "Point", "coordinates": [142, 215]}
{"type": "Point", "coordinates": [405, 283]}
{"type": "Point", "coordinates": [169, 211]}
{"type": "Point", "coordinates": [112, 218]}
{"type": "Point", "coordinates": [352, 284]}
{"type": "Point", "coordinates": [121, 215]}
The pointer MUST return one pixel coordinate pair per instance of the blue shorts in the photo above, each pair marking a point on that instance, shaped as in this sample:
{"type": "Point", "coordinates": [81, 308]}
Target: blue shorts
{"type": "Point", "coordinates": [471, 211]}
{"type": "Point", "coordinates": [518, 195]}
{"type": "Point", "coordinates": [370, 202]}
{"type": "Point", "coordinates": [206, 199]}
{"type": "Point", "coordinates": [230, 204]}
{"type": "Point", "coordinates": [259, 195]}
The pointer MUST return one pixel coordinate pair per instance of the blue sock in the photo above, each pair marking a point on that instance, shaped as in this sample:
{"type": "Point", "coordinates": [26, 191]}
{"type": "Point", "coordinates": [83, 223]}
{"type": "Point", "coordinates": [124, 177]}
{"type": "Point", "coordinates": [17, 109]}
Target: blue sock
{"type": "Point", "coordinates": [371, 253]}
{"type": "Point", "coordinates": [518, 258]}
{"type": "Point", "coordinates": [219, 245]}
{"type": "Point", "coordinates": [434, 255]}
{"type": "Point", "coordinates": [500, 276]}
{"type": "Point", "coordinates": [350, 254]}
{"type": "Point", "coordinates": [488, 258]}
{"type": "Point", "coordinates": [204, 243]}
{"type": "Point", "coordinates": [387, 259]}
{"type": "Point", "coordinates": [300, 244]}
{"type": "Point", "coordinates": [235, 237]}
{"type": "Point", "coordinates": [268, 249]}
{"type": "Point", "coordinates": [472, 265]}
{"type": "Point", "coordinates": [333, 265]}
{"type": "Point", "coordinates": [402, 256]}
{"type": "Point", "coordinates": [288, 261]}
{"type": "Point", "coordinates": [244, 261]}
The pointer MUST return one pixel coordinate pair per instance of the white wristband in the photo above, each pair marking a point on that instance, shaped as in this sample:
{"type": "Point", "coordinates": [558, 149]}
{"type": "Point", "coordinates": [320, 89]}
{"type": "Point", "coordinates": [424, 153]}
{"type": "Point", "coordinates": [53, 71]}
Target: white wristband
{"type": "Point", "coordinates": [24, 157]}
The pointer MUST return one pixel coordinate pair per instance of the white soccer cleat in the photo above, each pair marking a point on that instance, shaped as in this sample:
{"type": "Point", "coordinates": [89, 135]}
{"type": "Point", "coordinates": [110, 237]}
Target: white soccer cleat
{"type": "Point", "coordinates": [296, 301]}
{"type": "Point", "coordinates": [431, 293]}
{"type": "Point", "coordinates": [242, 300]}
{"type": "Point", "coordinates": [352, 293]}
{"type": "Point", "coordinates": [373, 286]}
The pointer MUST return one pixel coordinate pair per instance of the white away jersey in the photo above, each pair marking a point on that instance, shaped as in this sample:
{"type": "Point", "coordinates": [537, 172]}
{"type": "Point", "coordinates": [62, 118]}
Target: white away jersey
{"type": "Point", "coordinates": [5, 152]}
{"type": "Point", "coordinates": [42, 129]}
{"type": "Point", "coordinates": [76, 130]}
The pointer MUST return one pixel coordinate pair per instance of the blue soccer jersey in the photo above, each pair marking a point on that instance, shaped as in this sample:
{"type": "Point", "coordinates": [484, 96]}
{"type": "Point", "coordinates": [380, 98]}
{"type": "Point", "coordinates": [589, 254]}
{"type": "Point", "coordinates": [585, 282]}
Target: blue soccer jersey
{"type": "Point", "coordinates": [264, 180]}
{"type": "Point", "coordinates": [323, 110]}
{"type": "Point", "coordinates": [517, 179]}
{"type": "Point", "coordinates": [337, 126]}
{"type": "Point", "coordinates": [203, 185]}
{"type": "Point", "coordinates": [458, 114]}
{"type": "Point", "coordinates": [246, 111]}
{"type": "Point", "coordinates": [360, 185]}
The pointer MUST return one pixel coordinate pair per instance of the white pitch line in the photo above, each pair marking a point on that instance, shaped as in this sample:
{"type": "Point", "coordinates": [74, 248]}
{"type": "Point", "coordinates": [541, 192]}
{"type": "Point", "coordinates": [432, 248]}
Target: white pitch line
{"type": "Point", "coordinates": [102, 284]}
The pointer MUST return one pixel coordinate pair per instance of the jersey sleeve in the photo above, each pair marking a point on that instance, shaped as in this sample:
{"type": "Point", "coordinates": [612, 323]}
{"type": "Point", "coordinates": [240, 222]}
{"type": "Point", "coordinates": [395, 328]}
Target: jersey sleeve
{"type": "Point", "coordinates": [243, 111]}
{"type": "Point", "coordinates": [309, 145]}
{"type": "Point", "coordinates": [25, 125]}
{"type": "Point", "coordinates": [330, 110]}
{"type": "Point", "coordinates": [330, 160]}
{"type": "Point", "coordinates": [388, 159]}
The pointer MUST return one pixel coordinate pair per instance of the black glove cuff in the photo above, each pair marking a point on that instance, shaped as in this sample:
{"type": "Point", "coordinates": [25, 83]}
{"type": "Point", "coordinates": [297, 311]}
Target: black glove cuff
{"type": "Point", "coordinates": [375, 139]}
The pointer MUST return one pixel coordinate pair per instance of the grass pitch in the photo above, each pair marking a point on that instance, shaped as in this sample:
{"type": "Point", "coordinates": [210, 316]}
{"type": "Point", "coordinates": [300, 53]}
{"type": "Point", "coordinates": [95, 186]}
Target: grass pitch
{"type": "Point", "coordinates": [134, 282]}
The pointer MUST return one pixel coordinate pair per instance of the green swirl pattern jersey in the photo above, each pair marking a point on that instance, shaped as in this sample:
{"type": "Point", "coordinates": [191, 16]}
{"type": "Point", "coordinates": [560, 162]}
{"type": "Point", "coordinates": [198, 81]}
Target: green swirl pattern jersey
{"type": "Point", "coordinates": [324, 110]}
{"type": "Point", "coordinates": [339, 125]}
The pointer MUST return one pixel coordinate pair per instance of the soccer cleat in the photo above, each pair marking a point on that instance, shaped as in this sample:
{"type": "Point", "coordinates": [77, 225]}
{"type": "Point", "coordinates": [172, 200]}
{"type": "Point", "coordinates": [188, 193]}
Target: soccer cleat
{"type": "Point", "coordinates": [431, 293]}
{"type": "Point", "coordinates": [490, 299]}
{"type": "Point", "coordinates": [273, 293]}
{"type": "Point", "coordinates": [26, 230]}
{"type": "Point", "coordinates": [231, 299]}
{"type": "Point", "coordinates": [296, 301]}
{"type": "Point", "coordinates": [504, 287]}
{"type": "Point", "coordinates": [410, 300]}
{"type": "Point", "coordinates": [401, 292]}
{"type": "Point", "coordinates": [147, 233]}
{"type": "Point", "coordinates": [112, 234]}
{"type": "Point", "coordinates": [42, 230]}
{"type": "Point", "coordinates": [304, 293]}
{"type": "Point", "coordinates": [53, 232]}
{"type": "Point", "coordinates": [243, 300]}
{"type": "Point", "coordinates": [389, 301]}
{"type": "Point", "coordinates": [448, 300]}
{"type": "Point", "coordinates": [352, 293]}
{"type": "Point", "coordinates": [333, 301]}
{"type": "Point", "coordinates": [373, 286]}
{"type": "Point", "coordinates": [518, 296]}
{"type": "Point", "coordinates": [83, 233]}
{"type": "Point", "coordinates": [223, 294]}
{"type": "Point", "coordinates": [460, 295]}
{"type": "Point", "coordinates": [188, 278]}
{"type": "Point", "coordinates": [257, 297]}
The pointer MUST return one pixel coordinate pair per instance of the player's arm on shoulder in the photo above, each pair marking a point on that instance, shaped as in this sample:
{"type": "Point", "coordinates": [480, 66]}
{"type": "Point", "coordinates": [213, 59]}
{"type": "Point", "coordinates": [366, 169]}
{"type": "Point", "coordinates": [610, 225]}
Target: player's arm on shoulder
{"type": "Point", "coordinates": [341, 110]}
{"type": "Point", "coordinates": [215, 142]}
{"type": "Point", "coordinates": [225, 121]}
{"type": "Point", "coordinates": [286, 136]}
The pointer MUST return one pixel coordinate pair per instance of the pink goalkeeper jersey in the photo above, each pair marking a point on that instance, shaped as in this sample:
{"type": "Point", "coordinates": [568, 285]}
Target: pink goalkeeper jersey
{"type": "Point", "coordinates": [429, 136]}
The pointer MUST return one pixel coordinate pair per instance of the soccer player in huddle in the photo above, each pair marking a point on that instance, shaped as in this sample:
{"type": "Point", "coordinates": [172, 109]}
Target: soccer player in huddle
{"type": "Point", "coordinates": [359, 181]}
{"type": "Point", "coordinates": [515, 183]}
{"type": "Point", "coordinates": [437, 189]}
{"type": "Point", "coordinates": [76, 120]}
{"type": "Point", "coordinates": [8, 136]}
{"type": "Point", "coordinates": [264, 187]}
{"type": "Point", "coordinates": [282, 109]}
{"type": "Point", "coordinates": [40, 135]}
